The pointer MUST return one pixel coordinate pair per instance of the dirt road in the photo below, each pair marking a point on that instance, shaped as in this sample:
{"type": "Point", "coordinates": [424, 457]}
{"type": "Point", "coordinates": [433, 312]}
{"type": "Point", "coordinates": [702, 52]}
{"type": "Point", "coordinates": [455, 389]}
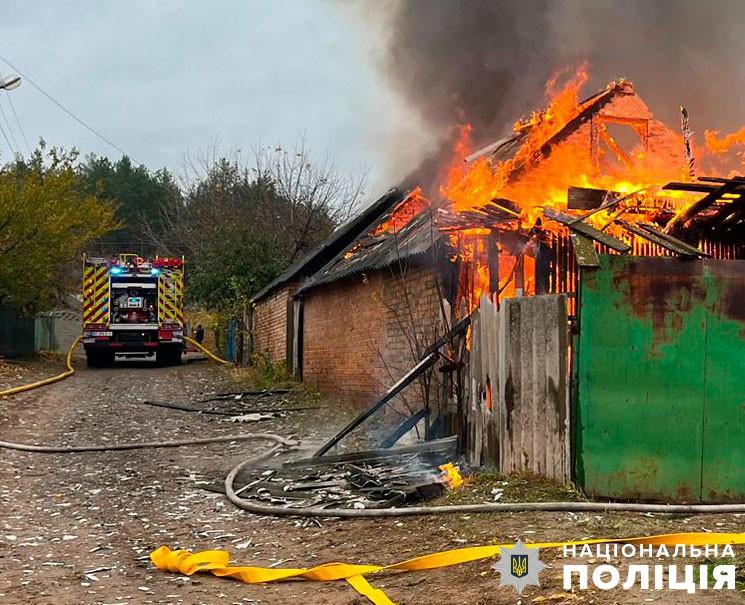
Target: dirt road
{"type": "Point", "coordinates": [78, 528]}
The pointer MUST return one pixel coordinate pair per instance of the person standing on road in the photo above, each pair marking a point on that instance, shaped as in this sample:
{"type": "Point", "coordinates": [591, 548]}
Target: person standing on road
{"type": "Point", "coordinates": [199, 334]}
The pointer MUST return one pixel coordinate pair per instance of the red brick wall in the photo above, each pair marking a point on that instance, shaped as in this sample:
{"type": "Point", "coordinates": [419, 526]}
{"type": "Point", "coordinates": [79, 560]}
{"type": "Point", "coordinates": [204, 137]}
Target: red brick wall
{"type": "Point", "coordinates": [355, 342]}
{"type": "Point", "coordinates": [342, 334]}
{"type": "Point", "coordinates": [269, 324]}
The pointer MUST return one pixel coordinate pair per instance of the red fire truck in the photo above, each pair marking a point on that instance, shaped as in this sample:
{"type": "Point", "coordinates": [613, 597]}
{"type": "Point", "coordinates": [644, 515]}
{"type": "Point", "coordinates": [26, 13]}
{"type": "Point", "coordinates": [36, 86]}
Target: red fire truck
{"type": "Point", "coordinates": [133, 306]}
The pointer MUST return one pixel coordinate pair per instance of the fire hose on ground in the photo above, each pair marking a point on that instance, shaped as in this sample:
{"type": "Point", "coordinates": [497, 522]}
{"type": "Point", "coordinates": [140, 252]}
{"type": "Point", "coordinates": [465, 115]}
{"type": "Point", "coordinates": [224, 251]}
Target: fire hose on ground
{"type": "Point", "coordinates": [282, 442]}
{"type": "Point", "coordinates": [71, 370]}
{"type": "Point", "coordinates": [118, 447]}
{"type": "Point", "coordinates": [207, 352]}
{"type": "Point", "coordinates": [40, 383]}
{"type": "Point", "coordinates": [50, 449]}
{"type": "Point", "coordinates": [484, 507]}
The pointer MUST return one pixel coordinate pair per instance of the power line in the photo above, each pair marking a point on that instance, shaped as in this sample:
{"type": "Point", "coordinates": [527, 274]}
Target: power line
{"type": "Point", "coordinates": [67, 111]}
{"type": "Point", "coordinates": [20, 126]}
{"type": "Point", "coordinates": [9, 98]}
{"type": "Point", "coordinates": [5, 136]}
{"type": "Point", "coordinates": [16, 148]}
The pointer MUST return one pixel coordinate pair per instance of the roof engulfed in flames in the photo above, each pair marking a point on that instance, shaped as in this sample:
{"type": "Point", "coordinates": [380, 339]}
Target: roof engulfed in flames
{"type": "Point", "coordinates": [609, 142]}
{"type": "Point", "coordinates": [571, 143]}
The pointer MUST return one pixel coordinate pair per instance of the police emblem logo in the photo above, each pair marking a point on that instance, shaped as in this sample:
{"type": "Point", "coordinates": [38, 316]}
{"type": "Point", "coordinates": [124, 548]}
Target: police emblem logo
{"type": "Point", "coordinates": [519, 566]}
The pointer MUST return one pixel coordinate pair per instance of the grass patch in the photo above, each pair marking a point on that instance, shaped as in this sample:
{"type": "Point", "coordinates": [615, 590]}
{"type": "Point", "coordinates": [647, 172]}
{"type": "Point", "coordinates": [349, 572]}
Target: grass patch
{"type": "Point", "coordinates": [738, 561]}
{"type": "Point", "coordinates": [520, 487]}
{"type": "Point", "coordinates": [262, 373]}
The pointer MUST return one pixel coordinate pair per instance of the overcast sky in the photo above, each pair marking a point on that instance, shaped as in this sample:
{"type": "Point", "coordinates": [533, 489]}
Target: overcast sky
{"type": "Point", "coordinates": [160, 78]}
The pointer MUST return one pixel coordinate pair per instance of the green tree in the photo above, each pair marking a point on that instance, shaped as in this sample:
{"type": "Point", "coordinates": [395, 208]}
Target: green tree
{"type": "Point", "coordinates": [240, 226]}
{"type": "Point", "coordinates": [142, 196]}
{"type": "Point", "coordinates": [46, 220]}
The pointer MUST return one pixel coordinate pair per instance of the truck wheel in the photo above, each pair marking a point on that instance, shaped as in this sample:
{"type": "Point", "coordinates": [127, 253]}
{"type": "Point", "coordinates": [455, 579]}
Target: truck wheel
{"type": "Point", "coordinates": [99, 359]}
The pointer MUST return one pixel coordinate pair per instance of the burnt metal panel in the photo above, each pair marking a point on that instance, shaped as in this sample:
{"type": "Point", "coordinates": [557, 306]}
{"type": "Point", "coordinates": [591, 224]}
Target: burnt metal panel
{"type": "Point", "coordinates": [584, 251]}
{"type": "Point", "coordinates": [585, 198]}
{"type": "Point", "coordinates": [660, 370]}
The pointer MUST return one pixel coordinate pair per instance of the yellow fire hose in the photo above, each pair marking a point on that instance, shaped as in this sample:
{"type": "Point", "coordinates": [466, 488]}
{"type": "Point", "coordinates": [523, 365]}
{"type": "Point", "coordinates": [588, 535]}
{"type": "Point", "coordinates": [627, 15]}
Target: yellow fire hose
{"type": "Point", "coordinates": [71, 370]}
{"type": "Point", "coordinates": [40, 383]}
{"type": "Point", "coordinates": [207, 352]}
{"type": "Point", "coordinates": [217, 562]}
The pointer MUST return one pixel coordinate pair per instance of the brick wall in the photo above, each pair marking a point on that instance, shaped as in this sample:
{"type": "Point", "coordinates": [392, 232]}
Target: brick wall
{"type": "Point", "coordinates": [358, 332]}
{"type": "Point", "coordinates": [342, 334]}
{"type": "Point", "coordinates": [269, 324]}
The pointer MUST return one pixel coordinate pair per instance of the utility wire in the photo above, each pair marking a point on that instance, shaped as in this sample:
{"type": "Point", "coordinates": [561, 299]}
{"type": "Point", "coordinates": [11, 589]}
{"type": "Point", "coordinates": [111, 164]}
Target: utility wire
{"type": "Point", "coordinates": [5, 136]}
{"type": "Point", "coordinates": [65, 109]}
{"type": "Point", "coordinates": [18, 121]}
{"type": "Point", "coordinates": [16, 148]}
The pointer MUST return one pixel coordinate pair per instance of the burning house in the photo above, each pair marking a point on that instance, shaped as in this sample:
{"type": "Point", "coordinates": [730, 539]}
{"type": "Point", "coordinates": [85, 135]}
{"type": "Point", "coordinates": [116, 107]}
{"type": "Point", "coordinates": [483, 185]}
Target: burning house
{"type": "Point", "coordinates": [373, 295]}
{"type": "Point", "coordinates": [577, 192]}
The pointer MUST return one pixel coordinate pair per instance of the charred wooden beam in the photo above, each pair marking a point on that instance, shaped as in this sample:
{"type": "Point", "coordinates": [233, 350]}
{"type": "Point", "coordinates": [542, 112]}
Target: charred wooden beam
{"type": "Point", "coordinates": [587, 230]}
{"type": "Point", "coordinates": [427, 360]}
{"type": "Point", "coordinates": [585, 198]}
{"type": "Point", "coordinates": [668, 242]}
{"type": "Point", "coordinates": [702, 204]}
{"type": "Point", "coordinates": [719, 179]}
{"type": "Point", "coordinates": [698, 187]}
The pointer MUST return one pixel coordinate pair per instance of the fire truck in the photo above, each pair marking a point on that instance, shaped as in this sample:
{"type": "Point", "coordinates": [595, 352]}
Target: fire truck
{"type": "Point", "coordinates": [134, 307]}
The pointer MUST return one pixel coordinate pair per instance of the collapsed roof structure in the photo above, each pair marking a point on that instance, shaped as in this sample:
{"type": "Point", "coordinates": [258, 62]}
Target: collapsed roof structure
{"type": "Point", "coordinates": [519, 216]}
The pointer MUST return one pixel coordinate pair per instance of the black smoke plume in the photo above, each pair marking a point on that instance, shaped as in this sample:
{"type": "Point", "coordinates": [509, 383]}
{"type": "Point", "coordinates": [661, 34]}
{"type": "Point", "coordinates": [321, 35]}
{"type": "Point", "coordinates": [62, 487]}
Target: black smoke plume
{"type": "Point", "coordinates": [486, 62]}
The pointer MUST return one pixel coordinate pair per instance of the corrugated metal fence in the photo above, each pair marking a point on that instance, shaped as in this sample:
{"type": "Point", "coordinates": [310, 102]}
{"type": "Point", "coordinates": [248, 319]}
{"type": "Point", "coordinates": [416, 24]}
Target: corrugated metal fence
{"type": "Point", "coordinates": [661, 375]}
{"type": "Point", "coordinates": [56, 330]}
{"type": "Point", "coordinates": [518, 413]}
{"type": "Point", "coordinates": [16, 333]}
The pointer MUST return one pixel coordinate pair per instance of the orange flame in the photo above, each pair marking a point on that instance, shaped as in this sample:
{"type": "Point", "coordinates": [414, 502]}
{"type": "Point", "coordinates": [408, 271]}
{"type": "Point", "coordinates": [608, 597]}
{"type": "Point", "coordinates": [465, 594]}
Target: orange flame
{"type": "Point", "coordinates": [451, 475]}
{"type": "Point", "coordinates": [402, 214]}
{"type": "Point", "coordinates": [717, 144]}
{"type": "Point", "coordinates": [544, 167]}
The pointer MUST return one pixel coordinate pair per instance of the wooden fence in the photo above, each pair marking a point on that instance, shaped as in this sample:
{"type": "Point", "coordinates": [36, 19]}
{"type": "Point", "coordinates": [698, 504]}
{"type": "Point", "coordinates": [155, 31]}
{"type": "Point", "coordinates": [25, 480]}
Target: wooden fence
{"type": "Point", "coordinates": [517, 417]}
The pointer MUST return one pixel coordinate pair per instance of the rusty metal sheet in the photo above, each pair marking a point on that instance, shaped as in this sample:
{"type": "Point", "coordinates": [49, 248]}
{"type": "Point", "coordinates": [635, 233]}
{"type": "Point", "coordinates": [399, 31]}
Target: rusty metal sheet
{"type": "Point", "coordinates": [660, 372]}
{"type": "Point", "coordinates": [723, 478]}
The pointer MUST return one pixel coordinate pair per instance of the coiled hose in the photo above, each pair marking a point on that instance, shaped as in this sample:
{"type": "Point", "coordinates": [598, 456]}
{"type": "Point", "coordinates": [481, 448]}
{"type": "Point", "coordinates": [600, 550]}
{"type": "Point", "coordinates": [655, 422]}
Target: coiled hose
{"type": "Point", "coordinates": [487, 507]}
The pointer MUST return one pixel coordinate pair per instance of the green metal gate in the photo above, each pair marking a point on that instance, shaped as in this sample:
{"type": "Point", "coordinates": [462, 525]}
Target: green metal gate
{"type": "Point", "coordinates": [660, 377]}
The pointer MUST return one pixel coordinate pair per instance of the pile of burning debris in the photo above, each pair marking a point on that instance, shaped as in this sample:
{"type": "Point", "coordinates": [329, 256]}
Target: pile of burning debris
{"type": "Point", "coordinates": [359, 480]}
